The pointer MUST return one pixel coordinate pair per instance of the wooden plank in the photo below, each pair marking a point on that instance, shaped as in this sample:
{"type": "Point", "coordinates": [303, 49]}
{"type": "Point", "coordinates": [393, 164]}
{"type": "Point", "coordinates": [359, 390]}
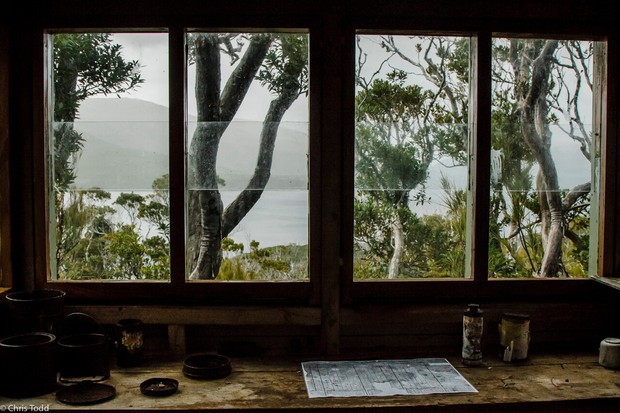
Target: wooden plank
{"type": "Point", "coordinates": [176, 341]}
{"type": "Point", "coordinates": [203, 315]}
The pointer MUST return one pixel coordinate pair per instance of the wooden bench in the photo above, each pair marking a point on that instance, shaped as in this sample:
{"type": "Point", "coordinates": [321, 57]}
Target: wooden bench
{"type": "Point", "coordinates": [545, 383]}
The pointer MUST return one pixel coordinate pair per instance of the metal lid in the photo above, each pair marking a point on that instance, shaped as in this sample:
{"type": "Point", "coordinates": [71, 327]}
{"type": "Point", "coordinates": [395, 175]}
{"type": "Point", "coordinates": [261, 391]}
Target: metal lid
{"type": "Point", "coordinates": [612, 341]}
{"type": "Point", "coordinates": [473, 310]}
{"type": "Point", "coordinates": [86, 393]}
{"type": "Point", "coordinates": [515, 317]}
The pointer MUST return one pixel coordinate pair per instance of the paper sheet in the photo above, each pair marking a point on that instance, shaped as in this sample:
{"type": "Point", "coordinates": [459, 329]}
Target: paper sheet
{"type": "Point", "coordinates": [383, 378]}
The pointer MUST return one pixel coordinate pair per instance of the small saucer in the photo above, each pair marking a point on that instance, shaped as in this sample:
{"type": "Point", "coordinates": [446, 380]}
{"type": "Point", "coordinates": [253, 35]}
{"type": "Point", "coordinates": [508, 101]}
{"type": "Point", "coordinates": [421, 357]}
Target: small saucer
{"type": "Point", "coordinates": [159, 387]}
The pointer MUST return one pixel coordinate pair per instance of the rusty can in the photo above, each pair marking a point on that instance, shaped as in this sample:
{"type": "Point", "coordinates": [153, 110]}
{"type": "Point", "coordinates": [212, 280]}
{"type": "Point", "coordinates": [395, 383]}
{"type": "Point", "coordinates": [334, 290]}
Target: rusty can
{"type": "Point", "coordinates": [129, 342]}
{"type": "Point", "coordinates": [514, 337]}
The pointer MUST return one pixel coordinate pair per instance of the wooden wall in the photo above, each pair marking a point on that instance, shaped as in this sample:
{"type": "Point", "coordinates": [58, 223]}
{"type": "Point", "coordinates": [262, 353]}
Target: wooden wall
{"type": "Point", "coordinates": [412, 329]}
{"type": "Point", "coordinates": [411, 326]}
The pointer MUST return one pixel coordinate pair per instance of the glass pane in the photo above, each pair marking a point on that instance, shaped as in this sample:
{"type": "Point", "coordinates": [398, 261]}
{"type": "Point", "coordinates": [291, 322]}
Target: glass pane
{"type": "Point", "coordinates": [109, 157]}
{"type": "Point", "coordinates": [543, 147]}
{"type": "Point", "coordinates": [247, 143]}
{"type": "Point", "coordinates": [411, 143]}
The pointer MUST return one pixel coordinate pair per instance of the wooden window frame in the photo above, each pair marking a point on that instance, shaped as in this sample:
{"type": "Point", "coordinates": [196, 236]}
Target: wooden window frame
{"type": "Point", "coordinates": [480, 285]}
{"type": "Point", "coordinates": [5, 188]}
{"type": "Point", "coordinates": [332, 32]}
{"type": "Point", "coordinates": [178, 289]}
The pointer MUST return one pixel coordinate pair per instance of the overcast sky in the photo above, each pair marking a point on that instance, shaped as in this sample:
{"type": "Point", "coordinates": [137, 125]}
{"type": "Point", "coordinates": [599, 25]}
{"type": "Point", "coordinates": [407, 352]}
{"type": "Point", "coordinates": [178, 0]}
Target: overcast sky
{"type": "Point", "coordinates": [151, 50]}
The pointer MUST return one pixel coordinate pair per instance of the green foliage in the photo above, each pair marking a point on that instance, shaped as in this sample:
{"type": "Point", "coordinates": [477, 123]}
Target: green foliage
{"type": "Point", "coordinates": [400, 121]}
{"type": "Point", "coordinates": [86, 65]}
{"type": "Point", "coordinates": [284, 262]}
{"type": "Point", "coordinates": [157, 262]}
{"type": "Point", "coordinates": [103, 249]}
{"type": "Point", "coordinates": [67, 144]}
{"type": "Point", "coordinates": [130, 203]}
{"type": "Point", "coordinates": [126, 251]}
{"type": "Point", "coordinates": [391, 100]}
{"type": "Point", "coordinates": [432, 249]}
{"type": "Point", "coordinates": [286, 65]}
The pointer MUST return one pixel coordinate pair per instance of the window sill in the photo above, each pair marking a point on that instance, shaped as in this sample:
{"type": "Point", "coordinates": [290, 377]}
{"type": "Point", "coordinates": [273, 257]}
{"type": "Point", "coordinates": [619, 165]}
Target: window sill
{"type": "Point", "coordinates": [613, 282]}
{"type": "Point", "coordinates": [567, 383]}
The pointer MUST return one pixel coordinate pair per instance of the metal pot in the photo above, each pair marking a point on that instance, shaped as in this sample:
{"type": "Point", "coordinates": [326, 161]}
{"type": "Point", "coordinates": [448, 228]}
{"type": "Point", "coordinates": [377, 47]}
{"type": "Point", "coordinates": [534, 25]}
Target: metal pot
{"type": "Point", "coordinates": [84, 357]}
{"type": "Point", "coordinates": [38, 310]}
{"type": "Point", "coordinates": [84, 350]}
{"type": "Point", "coordinates": [27, 364]}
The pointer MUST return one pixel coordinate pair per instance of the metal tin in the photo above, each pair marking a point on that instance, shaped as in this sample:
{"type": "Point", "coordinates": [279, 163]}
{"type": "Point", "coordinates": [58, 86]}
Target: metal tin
{"type": "Point", "coordinates": [38, 310]}
{"type": "Point", "coordinates": [27, 365]}
{"type": "Point", "coordinates": [84, 357]}
{"type": "Point", "coordinates": [609, 355]}
{"type": "Point", "coordinates": [83, 353]}
{"type": "Point", "coordinates": [472, 335]}
{"type": "Point", "coordinates": [514, 337]}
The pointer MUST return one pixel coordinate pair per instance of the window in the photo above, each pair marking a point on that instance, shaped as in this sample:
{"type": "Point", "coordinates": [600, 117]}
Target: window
{"type": "Point", "coordinates": [544, 158]}
{"type": "Point", "coordinates": [411, 152]}
{"type": "Point", "coordinates": [397, 164]}
{"type": "Point", "coordinates": [416, 155]}
{"type": "Point", "coordinates": [108, 162]}
{"type": "Point", "coordinates": [112, 157]}
{"type": "Point", "coordinates": [247, 156]}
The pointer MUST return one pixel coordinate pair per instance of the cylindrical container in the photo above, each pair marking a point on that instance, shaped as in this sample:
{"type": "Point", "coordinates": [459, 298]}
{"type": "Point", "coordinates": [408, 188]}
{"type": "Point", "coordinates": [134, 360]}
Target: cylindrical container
{"type": "Point", "coordinates": [129, 342]}
{"type": "Point", "coordinates": [514, 337]}
{"type": "Point", "coordinates": [27, 364]}
{"type": "Point", "coordinates": [472, 335]}
{"type": "Point", "coordinates": [84, 357]}
{"type": "Point", "coordinates": [39, 310]}
{"type": "Point", "coordinates": [609, 355]}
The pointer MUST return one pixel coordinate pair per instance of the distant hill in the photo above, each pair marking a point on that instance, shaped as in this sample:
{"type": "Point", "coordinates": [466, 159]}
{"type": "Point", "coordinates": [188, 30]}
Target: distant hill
{"type": "Point", "coordinates": [126, 148]}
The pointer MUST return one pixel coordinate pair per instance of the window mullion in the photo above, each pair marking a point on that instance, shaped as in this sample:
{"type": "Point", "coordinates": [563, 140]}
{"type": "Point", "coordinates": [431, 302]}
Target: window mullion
{"type": "Point", "coordinates": [480, 143]}
{"type": "Point", "coordinates": [177, 56]}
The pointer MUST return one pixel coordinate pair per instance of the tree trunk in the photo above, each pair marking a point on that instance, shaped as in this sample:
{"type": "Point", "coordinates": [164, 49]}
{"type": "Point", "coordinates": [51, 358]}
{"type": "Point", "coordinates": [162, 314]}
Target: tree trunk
{"type": "Point", "coordinates": [534, 125]}
{"type": "Point", "coordinates": [398, 239]}
{"type": "Point", "coordinates": [244, 202]}
{"type": "Point", "coordinates": [215, 112]}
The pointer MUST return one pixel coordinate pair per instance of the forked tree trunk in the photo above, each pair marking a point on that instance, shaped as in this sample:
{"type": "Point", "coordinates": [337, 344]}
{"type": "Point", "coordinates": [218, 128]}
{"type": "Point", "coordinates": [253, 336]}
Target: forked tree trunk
{"type": "Point", "coordinates": [215, 112]}
{"type": "Point", "coordinates": [534, 126]}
